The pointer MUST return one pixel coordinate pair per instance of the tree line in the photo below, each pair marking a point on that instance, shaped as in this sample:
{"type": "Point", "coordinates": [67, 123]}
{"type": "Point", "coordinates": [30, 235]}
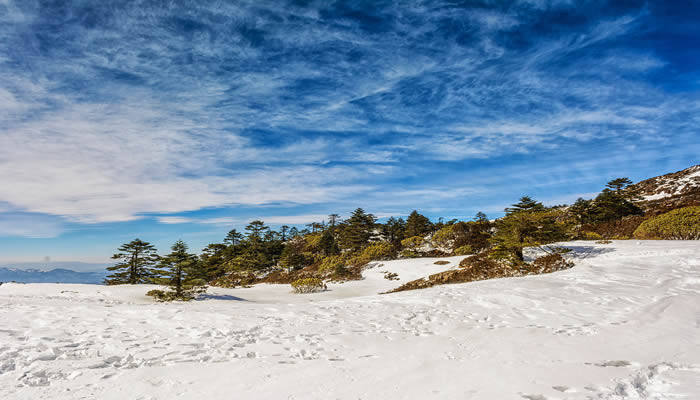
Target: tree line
{"type": "Point", "coordinates": [329, 248]}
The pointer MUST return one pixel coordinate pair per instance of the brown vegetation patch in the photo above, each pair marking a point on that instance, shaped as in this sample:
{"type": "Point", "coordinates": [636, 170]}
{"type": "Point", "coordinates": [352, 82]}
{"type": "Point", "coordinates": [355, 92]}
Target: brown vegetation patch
{"type": "Point", "coordinates": [480, 267]}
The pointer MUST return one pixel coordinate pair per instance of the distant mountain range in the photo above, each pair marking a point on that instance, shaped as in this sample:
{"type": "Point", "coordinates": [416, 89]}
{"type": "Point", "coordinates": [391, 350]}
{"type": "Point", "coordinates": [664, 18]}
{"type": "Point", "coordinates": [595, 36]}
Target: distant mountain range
{"type": "Point", "coordinates": [57, 275]}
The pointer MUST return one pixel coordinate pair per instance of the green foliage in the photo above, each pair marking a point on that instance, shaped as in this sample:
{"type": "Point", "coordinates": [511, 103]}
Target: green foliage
{"type": "Point", "coordinates": [585, 235]}
{"type": "Point", "coordinates": [166, 295]}
{"type": "Point", "coordinates": [614, 202]}
{"type": "Point", "coordinates": [610, 205]}
{"type": "Point", "coordinates": [525, 204]}
{"type": "Point", "coordinates": [463, 250]}
{"type": "Point", "coordinates": [136, 266]}
{"type": "Point", "coordinates": [526, 227]}
{"type": "Point", "coordinates": [379, 252]}
{"type": "Point", "coordinates": [182, 273]}
{"type": "Point", "coordinates": [413, 242]}
{"type": "Point", "coordinates": [418, 225]}
{"type": "Point", "coordinates": [212, 260]}
{"type": "Point", "coordinates": [445, 237]}
{"type": "Point", "coordinates": [308, 285]}
{"type": "Point", "coordinates": [334, 264]}
{"type": "Point", "coordinates": [394, 230]}
{"type": "Point", "coordinates": [327, 244]}
{"type": "Point", "coordinates": [294, 256]}
{"type": "Point", "coordinates": [679, 224]}
{"type": "Point", "coordinates": [357, 231]}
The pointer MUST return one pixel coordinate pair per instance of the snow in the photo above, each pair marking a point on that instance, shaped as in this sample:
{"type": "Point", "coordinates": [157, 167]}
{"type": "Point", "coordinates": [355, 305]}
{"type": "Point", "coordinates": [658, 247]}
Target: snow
{"type": "Point", "coordinates": [622, 324]}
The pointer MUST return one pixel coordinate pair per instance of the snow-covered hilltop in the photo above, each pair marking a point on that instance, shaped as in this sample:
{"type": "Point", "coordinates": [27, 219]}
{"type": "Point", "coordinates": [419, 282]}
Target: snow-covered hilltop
{"type": "Point", "coordinates": [622, 324]}
{"type": "Point", "coordinates": [674, 190]}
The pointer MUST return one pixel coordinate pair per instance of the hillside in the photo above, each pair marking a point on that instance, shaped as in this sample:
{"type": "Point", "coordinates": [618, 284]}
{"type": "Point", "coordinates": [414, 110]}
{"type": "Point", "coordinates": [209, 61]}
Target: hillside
{"type": "Point", "coordinates": [621, 324]}
{"type": "Point", "coordinates": [674, 190]}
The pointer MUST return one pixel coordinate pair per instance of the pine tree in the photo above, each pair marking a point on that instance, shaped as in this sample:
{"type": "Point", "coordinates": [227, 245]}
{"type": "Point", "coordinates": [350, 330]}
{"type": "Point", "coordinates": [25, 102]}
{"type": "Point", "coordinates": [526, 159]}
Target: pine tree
{"type": "Point", "coordinates": [357, 230]}
{"type": "Point", "coordinates": [213, 259]}
{"type": "Point", "coordinates": [182, 273]}
{"type": "Point", "coordinates": [417, 225]}
{"type": "Point", "coordinates": [619, 184]}
{"type": "Point", "coordinates": [333, 219]}
{"type": "Point", "coordinates": [293, 256]}
{"type": "Point", "coordinates": [233, 238]}
{"type": "Point", "coordinates": [481, 218]}
{"type": "Point", "coordinates": [256, 230]}
{"type": "Point", "coordinates": [526, 224]}
{"type": "Point", "coordinates": [393, 230]}
{"type": "Point", "coordinates": [525, 204]}
{"type": "Point", "coordinates": [327, 244]}
{"type": "Point", "coordinates": [136, 266]}
{"type": "Point", "coordinates": [283, 232]}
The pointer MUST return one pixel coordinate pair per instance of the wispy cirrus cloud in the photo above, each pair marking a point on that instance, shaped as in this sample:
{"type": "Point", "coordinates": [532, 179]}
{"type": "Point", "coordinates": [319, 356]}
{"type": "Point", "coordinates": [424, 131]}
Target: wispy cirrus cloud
{"type": "Point", "coordinates": [111, 113]}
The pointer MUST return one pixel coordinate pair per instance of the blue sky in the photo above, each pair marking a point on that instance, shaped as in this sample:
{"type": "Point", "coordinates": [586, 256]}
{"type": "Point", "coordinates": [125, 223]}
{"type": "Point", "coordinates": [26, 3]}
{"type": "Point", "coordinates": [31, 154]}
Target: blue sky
{"type": "Point", "coordinates": [184, 119]}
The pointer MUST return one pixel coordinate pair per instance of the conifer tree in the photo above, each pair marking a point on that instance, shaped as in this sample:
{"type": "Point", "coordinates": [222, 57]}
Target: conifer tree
{"type": "Point", "coordinates": [526, 224]}
{"type": "Point", "coordinates": [182, 273]}
{"type": "Point", "coordinates": [212, 260]}
{"type": "Point", "coordinates": [327, 244]}
{"type": "Point", "coordinates": [526, 203]}
{"type": "Point", "coordinates": [393, 230]}
{"type": "Point", "coordinates": [283, 232]}
{"type": "Point", "coordinates": [136, 265]}
{"type": "Point", "coordinates": [256, 230]}
{"type": "Point", "coordinates": [417, 225]}
{"type": "Point", "coordinates": [357, 230]}
{"type": "Point", "coordinates": [333, 219]}
{"type": "Point", "coordinates": [233, 238]}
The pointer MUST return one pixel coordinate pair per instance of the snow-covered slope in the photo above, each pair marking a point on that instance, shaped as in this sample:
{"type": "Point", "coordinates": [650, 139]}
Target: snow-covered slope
{"type": "Point", "coordinates": [672, 190]}
{"type": "Point", "coordinates": [623, 323]}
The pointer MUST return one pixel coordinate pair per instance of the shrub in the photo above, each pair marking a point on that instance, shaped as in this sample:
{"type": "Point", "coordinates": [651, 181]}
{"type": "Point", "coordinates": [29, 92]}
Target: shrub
{"type": "Point", "coordinates": [441, 262]}
{"type": "Point", "coordinates": [412, 243]}
{"type": "Point", "coordinates": [379, 252]}
{"type": "Point", "coordinates": [591, 235]}
{"type": "Point", "coordinates": [679, 224]}
{"type": "Point", "coordinates": [464, 250]}
{"type": "Point", "coordinates": [549, 263]}
{"type": "Point", "coordinates": [168, 295]}
{"type": "Point", "coordinates": [409, 254]}
{"type": "Point", "coordinates": [392, 276]}
{"type": "Point", "coordinates": [308, 285]}
{"type": "Point", "coordinates": [615, 228]}
{"type": "Point", "coordinates": [444, 238]}
{"type": "Point", "coordinates": [332, 264]}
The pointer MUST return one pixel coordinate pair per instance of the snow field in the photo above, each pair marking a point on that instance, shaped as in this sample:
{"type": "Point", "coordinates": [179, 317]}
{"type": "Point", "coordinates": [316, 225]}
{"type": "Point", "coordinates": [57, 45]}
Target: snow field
{"type": "Point", "coordinates": [622, 324]}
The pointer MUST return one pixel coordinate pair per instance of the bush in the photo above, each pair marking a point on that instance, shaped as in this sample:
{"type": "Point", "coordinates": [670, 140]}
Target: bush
{"type": "Point", "coordinates": [549, 263]}
{"type": "Point", "coordinates": [441, 262]}
{"type": "Point", "coordinates": [379, 252]}
{"type": "Point", "coordinates": [464, 250]}
{"type": "Point", "coordinates": [679, 224]}
{"type": "Point", "coordinates": [412, 243]}
{"type": "Point", "coordinates": [308, 285]}
{"type": "Point", "coordinates": [392, 276]}
{"type": "Point", "coordinates": [168, 295]}
{"type": "Point", "coordinates": [444, 238]}
{"type": "Point", "coordinates": [591, 236]}
{"type": "Point", "coordinates": [333, 264]}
